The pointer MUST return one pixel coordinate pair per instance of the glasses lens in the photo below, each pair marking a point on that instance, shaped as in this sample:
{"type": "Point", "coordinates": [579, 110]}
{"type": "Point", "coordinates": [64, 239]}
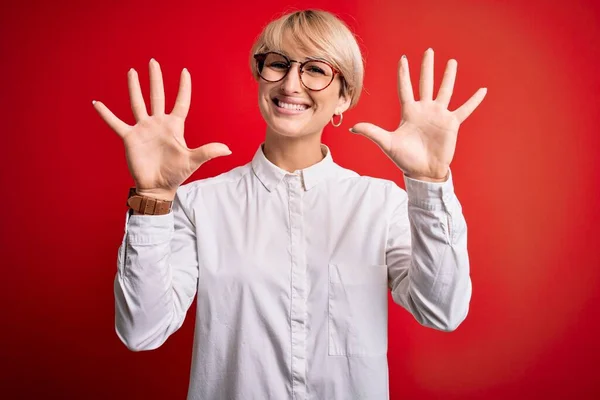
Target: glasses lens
{"type": "Point", "coordinates": [274, 67]}
{"type": "Point", "coordinates": [316, 75]}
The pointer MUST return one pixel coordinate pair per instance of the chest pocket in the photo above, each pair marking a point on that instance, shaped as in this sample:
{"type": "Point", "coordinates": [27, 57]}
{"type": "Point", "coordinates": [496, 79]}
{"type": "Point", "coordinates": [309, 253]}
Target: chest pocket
{"type": "Point", "coordinates": [358, 305]}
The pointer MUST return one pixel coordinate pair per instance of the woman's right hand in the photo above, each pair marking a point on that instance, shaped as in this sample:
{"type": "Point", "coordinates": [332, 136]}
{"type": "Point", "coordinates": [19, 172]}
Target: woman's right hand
{"type": "Point", "coordinates": [157, 156]}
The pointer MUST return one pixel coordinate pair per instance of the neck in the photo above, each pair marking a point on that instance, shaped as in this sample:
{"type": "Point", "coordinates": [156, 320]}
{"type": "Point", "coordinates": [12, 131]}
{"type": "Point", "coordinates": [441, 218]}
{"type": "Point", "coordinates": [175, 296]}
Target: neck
{"type": "Point", "coordinates": [291, 154]}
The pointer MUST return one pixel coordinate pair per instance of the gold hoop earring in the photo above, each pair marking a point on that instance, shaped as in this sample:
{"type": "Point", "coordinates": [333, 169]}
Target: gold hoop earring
{"type": "Point", "coordinates": [339, 123]}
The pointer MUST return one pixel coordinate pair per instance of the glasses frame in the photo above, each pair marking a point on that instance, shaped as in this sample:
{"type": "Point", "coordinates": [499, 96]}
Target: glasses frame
{"type": "Point", "coordinates": [261, 57]}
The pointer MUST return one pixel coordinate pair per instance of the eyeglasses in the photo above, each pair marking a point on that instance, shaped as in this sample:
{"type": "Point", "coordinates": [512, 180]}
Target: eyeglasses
{"type": "Point", "coordinates": [314, 74]}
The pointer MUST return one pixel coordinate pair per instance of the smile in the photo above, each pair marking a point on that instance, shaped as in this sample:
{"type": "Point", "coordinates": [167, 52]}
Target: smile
{"type": "Point", "coordinates": [289, 108]}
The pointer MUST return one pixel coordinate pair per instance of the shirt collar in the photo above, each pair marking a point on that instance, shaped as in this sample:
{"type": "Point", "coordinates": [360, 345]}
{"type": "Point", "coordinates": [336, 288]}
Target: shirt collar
{"type": "Point", "coordinates": [270, 174]}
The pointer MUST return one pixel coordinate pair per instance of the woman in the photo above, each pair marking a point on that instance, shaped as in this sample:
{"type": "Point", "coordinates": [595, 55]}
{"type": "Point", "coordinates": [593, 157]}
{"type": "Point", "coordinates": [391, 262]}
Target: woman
{"type": "Point", "coordinates": [291, 255]}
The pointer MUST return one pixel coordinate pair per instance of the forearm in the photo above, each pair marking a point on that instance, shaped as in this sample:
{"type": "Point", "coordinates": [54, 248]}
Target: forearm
{"type": "Point", "coordinates": [437, 287]}
{"type": "Point", "coordinates": [427, 254]}
{"type": "Point", "coordinates": [155, 281]}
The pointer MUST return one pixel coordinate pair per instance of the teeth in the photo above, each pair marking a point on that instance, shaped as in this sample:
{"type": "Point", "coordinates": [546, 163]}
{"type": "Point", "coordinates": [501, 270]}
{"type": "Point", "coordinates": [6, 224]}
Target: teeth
{"type": "Point", "coordinates": [289, 106]}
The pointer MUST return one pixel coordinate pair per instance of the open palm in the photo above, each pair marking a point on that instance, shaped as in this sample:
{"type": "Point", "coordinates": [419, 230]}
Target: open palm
{"type": "Point", "coordinates": [423, 145]}
{"type": "Point", "coordinates": [158, 157]}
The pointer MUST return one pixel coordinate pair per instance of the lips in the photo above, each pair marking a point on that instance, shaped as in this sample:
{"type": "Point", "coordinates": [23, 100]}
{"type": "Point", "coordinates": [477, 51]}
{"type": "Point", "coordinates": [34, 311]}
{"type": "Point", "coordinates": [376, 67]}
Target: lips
{"type": "Point", "coordinates": [290, 103]}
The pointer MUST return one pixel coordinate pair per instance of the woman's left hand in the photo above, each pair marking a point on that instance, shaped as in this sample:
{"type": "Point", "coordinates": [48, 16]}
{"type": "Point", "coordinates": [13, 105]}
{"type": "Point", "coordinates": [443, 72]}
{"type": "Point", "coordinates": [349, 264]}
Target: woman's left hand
{"type": "Point", "coordinates": [424, 143]}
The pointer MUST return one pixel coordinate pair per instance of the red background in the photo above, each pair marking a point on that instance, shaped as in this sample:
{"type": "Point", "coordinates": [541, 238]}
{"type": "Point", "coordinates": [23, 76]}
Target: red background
{"type": "Point", "coordinates": [526, 172]}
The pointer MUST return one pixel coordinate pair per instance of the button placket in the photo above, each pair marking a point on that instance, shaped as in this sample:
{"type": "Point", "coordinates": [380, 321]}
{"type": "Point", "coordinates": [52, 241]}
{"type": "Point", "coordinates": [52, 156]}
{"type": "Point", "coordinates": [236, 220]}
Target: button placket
{"type": "Point", "coordinates": [298, 285]}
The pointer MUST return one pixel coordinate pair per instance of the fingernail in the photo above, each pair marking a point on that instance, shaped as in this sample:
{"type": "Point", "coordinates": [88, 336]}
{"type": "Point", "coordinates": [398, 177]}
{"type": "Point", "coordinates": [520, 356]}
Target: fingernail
{"type": "Point", "coordinates": [403, 55]}
{"type": "Point", "coordinates": [352, 130]}
{"type": "Point", "coordinates": [93, 102]}
{"type": "Point", "coordinates": [152, 59]}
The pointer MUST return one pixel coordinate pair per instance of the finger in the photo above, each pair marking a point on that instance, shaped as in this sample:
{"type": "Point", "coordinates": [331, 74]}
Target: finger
{"type": "Point", "coordinates": [138, 106]}
{"type": "Point", "coordinates": [184, 96]}
{"type": "Point", "coordinates": [447, 86]}
{"type": "Point", "coordinates": [426, 81]}
{"type": "Point", "coordinates": [405, 90]}
{"type": "Point", "coordinates": [470, 105]}
{"type": "Point", "coordinates": [207, 152]}
{"type": "Point", "coordinates": [120, 127]}
{"type": "Point", "coordinates": [157, 90]}
{"type": "Point", "coordinates": [380, 136]}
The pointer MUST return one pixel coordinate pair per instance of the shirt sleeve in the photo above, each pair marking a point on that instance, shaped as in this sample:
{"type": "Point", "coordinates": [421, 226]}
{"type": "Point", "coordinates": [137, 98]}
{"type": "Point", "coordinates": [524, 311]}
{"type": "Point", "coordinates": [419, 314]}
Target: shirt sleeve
{"type": "Point", "coordinates": [426, 253]}
{"type": "Point", "coordinates": [157, 273]}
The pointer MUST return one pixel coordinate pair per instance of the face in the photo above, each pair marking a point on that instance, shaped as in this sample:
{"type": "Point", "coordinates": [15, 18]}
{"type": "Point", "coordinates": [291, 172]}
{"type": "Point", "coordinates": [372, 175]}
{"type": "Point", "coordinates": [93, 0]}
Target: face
{"type": "Point", "coordinates": [292, 110]}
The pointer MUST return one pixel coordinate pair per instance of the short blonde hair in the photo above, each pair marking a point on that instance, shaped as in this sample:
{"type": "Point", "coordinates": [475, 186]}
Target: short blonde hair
{"type": "Point", "coordinates": [320, 34]}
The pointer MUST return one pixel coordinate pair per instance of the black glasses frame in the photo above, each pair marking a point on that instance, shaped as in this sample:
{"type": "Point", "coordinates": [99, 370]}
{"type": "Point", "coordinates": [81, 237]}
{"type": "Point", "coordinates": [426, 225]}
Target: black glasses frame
{"type": "Point", "coordinates": [261, 57]}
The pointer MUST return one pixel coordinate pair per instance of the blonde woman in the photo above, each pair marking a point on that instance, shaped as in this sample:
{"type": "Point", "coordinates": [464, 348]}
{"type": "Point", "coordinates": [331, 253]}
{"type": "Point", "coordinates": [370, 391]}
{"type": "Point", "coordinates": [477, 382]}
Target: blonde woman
{"type": "Point", "coordinates": [291, 256]}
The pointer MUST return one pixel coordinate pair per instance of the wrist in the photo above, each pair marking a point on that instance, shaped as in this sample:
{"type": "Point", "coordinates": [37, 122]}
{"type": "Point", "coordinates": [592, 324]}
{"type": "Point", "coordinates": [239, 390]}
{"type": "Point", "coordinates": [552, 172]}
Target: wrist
{"type": "Point", "coordinates": [429, 178]}
{"type": "Point", "coordinates": [150, 202]}
{"type": "Point", "coordinates": [159, 194]}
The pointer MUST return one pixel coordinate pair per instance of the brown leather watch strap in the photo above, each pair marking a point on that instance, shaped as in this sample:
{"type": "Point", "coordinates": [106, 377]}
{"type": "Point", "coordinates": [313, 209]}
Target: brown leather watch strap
{"type": "Point", "coordinates": [147, 205]}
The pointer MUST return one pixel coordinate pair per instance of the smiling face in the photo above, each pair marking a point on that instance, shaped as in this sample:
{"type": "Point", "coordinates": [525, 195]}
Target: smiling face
{"type": "Point", "coordinates": [292, 110]}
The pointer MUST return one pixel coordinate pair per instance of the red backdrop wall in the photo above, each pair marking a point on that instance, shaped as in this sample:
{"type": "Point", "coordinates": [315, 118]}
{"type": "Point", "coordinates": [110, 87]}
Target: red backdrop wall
{"type": "Point", "coordinates": [526, 172]}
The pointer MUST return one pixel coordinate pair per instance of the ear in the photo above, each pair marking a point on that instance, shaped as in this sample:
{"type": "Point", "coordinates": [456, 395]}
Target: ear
{"type": "Point", "coordinates": [343, 104]}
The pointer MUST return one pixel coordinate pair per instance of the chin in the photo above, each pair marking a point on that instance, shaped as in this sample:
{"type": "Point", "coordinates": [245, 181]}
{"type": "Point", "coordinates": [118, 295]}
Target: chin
{"type": "Point", "coordinates": [288, 130]}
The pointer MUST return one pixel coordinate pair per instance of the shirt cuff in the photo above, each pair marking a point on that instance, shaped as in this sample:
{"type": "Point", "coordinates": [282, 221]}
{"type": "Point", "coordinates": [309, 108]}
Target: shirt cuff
{"type": "Point", "coordinates": [149, 229]}
{"type": "Point", "coordinates": [429, 195]}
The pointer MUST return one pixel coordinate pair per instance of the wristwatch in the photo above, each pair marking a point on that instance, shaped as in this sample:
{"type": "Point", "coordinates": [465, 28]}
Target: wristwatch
{"type": "Point", "coordinates": [147, 205]}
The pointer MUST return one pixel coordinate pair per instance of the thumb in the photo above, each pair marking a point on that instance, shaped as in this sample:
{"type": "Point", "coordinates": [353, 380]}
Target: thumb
{"type": "Point", "coordinates": [380, 136]}
{"type": "Point", "coordinates": [207, 152]}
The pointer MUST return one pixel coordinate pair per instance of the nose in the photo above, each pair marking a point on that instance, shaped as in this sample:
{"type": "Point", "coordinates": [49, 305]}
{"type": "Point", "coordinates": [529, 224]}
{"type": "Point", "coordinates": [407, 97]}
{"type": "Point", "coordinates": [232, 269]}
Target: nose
{"type": "Point", "coordinates": [291, 83]}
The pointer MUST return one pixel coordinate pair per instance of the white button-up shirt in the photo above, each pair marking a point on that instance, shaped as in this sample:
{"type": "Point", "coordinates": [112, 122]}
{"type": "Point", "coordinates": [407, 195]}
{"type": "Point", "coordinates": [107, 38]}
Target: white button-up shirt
{"type": "Point", "coordinates": [291, 273]}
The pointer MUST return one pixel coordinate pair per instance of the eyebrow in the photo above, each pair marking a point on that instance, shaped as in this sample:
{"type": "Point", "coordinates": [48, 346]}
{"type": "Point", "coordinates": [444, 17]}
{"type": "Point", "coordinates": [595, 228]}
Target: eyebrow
{"type": "Point", "coordinates": [305, 58]}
